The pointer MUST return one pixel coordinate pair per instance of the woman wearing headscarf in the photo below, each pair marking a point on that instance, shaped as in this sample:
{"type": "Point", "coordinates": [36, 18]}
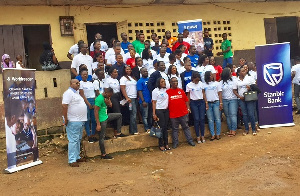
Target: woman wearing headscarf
{"type": "Point", "coordinates": [6, 62]}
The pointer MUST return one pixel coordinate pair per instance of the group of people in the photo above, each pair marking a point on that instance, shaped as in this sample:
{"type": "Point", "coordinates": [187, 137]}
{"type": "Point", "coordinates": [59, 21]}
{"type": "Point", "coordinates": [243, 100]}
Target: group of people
{"type": "Point", "coordinates": [167, 81]}
{"type": "Point", "coordinates": [8, 63]}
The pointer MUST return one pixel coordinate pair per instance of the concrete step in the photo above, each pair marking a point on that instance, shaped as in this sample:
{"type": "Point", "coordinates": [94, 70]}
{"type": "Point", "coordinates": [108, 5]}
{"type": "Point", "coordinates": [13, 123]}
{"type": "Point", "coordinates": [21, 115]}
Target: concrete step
{"type": "Point", "coordinates": [143, 140]}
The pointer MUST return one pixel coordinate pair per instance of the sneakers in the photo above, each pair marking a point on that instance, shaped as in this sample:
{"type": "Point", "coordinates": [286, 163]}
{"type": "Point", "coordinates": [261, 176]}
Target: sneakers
{"type": "Point", "coordinates": [95, 139]}
{"type": "Point", "coordinates": [137, 133]}
{"type": "Point", "coordinates": [120, 135]}
{"type": "Point", "coordinates": [192, 143]}
{"type": "Point", "coordinates": [107, 157]}
{"type": "Point", "coordinates": [74, 164]}
{"type": "Point", "coordinates": [91, 140]}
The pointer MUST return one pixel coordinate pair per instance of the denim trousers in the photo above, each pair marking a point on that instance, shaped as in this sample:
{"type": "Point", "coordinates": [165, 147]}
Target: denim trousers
{"type": "Point", "coordinates": [227, 61]}
{"type": "Point", "coordinates": [163, 116]}
{"type": "Point", "coordinates": [183, 121]}
{"type": "Point", "coordinates": [117, 118]}
{"type": "Point", "coordinates": [214, 115]}
{"type": "Point", "coordinates": [198, 112]}
{"type": "Point", "coordinates": [74, 133]}
{"type": "Point", "coordinates": [133, 111]}
{"type": "Point", "coordinates": [146, 113]}
{"type": "Point", "coordinates": [248, 109]}
{"type": "Point", "coordinates": [230, 107]}
{"type": "Point", "coordinates": [90, 119]}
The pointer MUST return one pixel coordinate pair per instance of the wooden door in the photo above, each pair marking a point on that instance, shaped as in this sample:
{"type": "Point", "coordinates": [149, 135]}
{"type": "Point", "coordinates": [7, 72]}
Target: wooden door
{"type": "Point", "coordinates": [270, 30]}
{"type": "Point", "coordinates": [12, 41]}
{"type": "Point", "coordinates": [122, 27]}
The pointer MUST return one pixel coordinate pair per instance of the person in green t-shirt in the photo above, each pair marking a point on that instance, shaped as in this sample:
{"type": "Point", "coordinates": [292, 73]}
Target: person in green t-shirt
{"type": "Point", "coordinates": [137, 35]}
{"type": "Point", "coordinates": [102, 118]}
{"type": "Point", "coordinates": [226, 51]}
{"type": "Point", "coordinates": [140, 45]}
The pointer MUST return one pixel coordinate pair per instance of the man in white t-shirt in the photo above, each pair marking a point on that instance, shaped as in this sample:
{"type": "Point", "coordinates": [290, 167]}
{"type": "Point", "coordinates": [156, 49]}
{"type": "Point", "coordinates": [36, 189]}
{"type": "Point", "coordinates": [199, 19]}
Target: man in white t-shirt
{"type": "Point", "coordinates": [111, 59]}
{"type": "Point", "coordinates": [74, 50]}
{"type": "Point", "coordinates": [104, 46]}
{"type": "Point", "coordinates": [296, 81]}
{"type": "Point", "coordinates": [163, 56]}
{"type": "Point", "coordinates": [75, 115]}
{"type": "Point", "coordinates": [82, 58]}
{"type": "Point", "coordinates": [186, 37]}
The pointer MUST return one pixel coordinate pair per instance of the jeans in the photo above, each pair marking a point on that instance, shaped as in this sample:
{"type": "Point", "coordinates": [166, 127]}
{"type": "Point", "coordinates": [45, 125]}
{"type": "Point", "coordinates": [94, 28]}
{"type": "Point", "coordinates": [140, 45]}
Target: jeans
{"type": "Point", "coordinates": [248, 110]}
{"type": "Point", "coordinates": [146, 115]}
{"type": "Point", "coordinates": [183, 120]}
{"type": "Point", "coordinates": [227, 61]}
{"type": "Point", "coordinates": [133, 111]}
{"type": "Point", "coordinates": [230, 107]}
{"type": "Point", "coordinates": [74, 133]}
{"type": "Point", "coordinates": [90, 119]}
{"type": "Point", "coordinates": [214, 115]}
{"type": "Point", "coordinates": [296, 95]}
{"type": "Point", "coordinates": [117, 117]}
{"type": "Point", "coordinates": [198, 112]}
{"type": "Point", "coordinates": [163, 116]}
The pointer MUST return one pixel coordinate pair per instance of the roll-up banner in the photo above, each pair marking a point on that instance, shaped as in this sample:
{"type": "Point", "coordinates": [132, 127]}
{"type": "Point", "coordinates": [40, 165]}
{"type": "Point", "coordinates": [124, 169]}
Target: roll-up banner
{"type": "Point", "coordinates": [20, 119]}
{"type": "Point", "coordinates": [195, 30]}
{"type": "Point", "coordinates": [274, 80]}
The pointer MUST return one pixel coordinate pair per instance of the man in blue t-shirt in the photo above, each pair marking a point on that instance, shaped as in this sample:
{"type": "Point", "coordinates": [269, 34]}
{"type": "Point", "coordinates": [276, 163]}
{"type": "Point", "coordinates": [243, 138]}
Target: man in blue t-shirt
{"type": "Point", "coordinates": [124, 43]}
{"type": "Point", "coordinates": [208, 44]}
{"type": "Point", "coordinates": [193, 56]}
{"type": "Point", "coordinates": [186, 76]}
{"type": "Point", "coordinates": [145, 99]}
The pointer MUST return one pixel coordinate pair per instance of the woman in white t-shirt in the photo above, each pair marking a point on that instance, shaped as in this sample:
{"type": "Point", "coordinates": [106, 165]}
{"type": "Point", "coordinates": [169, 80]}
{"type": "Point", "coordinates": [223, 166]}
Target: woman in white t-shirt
{"type": "Point", "coordinates": [114, 83]}
{"type": "Point", "coordinates": [129, 91]}
{"type": "Point", "coordinates": [173, 73]}
{"type": "Point", "coordinates": [87, 92]}
{"type": "Point", "coordinates": [204, 66]}
{"type": "Point", "coordinates": [160, 101]}
{"type": "Point", "coordinates": [214, 104]}
{"type": "Point", "coordinates": [148, 60]}
{"type": "Point", "coordinates": [197, 104]}
{"type": "Point", "coordinates": [230, 102]}
{"type": "Point", "coordinates": [242, 85]}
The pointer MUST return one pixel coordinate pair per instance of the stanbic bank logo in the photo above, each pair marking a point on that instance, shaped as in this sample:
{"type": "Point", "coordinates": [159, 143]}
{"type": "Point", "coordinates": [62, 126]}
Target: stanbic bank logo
{"type": "Point", "coordinates": [273, 73]}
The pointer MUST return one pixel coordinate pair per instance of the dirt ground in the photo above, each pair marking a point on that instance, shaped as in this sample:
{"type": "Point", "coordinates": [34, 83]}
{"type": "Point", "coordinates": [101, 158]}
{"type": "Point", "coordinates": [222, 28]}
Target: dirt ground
{"type": "Point", "coordinates": [266, 164]}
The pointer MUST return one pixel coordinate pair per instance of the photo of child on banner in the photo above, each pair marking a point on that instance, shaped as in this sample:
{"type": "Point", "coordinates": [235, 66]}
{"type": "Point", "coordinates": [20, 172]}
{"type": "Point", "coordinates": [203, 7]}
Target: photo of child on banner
{"type": "Point", "coordinates": [20, 117]}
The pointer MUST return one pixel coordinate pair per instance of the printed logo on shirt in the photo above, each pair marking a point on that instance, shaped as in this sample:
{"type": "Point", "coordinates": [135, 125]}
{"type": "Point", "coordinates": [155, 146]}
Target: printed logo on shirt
{"type": "Point", "coordinates": [188, 78]}
{"type": "Point", "coordinates": [179, 92]}
{"type": "Point", "coordinates": [273, 73]}
{"type": "Point", "coordinates": [176, 97]}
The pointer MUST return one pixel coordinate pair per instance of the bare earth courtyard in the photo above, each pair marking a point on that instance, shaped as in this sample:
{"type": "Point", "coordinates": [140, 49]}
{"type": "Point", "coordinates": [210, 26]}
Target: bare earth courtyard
{"type": "Point", "coordinates": [267, 164]}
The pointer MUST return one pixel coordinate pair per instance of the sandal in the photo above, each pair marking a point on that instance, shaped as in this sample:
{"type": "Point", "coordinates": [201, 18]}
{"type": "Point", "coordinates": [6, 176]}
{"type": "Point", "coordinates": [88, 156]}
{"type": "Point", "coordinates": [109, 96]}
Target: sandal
{"type": "Point", "coordinates": [212, 138]}
{"type": "Point", "coordinates": [245, 133]}
{"type": "Point", "coordinates": [218, 137]}
{"type": "Point", "coordinates": [233, 133]}
{"type": "Point", "coordinates": [254, 133]}
{"type": "Point", "coordinates": [162, 148]}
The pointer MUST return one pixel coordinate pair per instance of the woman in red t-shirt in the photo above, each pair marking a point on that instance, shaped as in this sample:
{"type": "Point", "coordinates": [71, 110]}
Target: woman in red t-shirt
{"type": "Point", "coordinates": [218, 68]}
{"type": "Point", "coordinates": [131, 60]}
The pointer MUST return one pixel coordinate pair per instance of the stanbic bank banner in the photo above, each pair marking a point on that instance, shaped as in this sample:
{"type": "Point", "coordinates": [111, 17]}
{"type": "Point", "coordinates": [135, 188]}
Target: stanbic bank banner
{"type": "Point", "coordinates": [195, 32]}
{"type": "Point", "coordinates": [274, 80]}
{"type": "Point", "coordinates": [20, 119]}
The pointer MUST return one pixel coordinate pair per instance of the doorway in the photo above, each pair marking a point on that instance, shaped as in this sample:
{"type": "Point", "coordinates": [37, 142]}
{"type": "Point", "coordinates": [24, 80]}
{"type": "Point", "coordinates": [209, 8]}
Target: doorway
{"type": "Point", "coordinates": [107, 30]}
{"type": "Point", "coordinates": [34, 36]}
{"type": "Point", "coordinates": [284, 29]}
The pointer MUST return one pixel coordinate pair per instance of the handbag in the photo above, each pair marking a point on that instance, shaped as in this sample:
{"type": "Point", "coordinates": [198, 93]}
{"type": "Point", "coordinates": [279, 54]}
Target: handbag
{"type": "Point", "coordinates": [250, 96]}
{"type": "Point", "coordinates": [155, 131]}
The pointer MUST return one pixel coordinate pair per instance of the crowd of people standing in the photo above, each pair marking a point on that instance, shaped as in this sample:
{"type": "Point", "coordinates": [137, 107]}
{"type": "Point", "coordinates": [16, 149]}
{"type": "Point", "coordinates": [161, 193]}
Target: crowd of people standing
{"type": "Point", "coordinates": [165, 81]}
